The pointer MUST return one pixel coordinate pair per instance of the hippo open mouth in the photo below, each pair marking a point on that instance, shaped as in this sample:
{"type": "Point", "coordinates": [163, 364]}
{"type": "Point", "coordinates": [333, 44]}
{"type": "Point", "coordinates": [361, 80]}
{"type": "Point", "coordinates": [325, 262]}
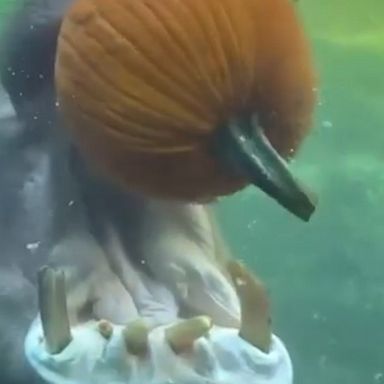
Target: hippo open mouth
{"type": "Point", "coordinates": [199, 328]}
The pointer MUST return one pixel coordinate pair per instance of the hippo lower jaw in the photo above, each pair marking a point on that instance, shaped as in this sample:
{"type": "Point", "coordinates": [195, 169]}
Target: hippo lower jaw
{"type": "Point", "coordinates": [192, 351]}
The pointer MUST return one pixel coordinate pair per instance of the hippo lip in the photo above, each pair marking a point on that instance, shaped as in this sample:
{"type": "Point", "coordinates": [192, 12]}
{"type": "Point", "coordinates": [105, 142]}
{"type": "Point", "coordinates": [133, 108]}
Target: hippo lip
{"type": "Point", "coordinates": [224, 313]}
{"type": "Point", "coordinates": [244, 148]}
{"type": "Point", "coordinates": [208, 292]}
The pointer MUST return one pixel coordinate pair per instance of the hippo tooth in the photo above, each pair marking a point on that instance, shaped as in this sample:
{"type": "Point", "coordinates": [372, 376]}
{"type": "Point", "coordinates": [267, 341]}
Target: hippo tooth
{"type": "Point", "coordinates": [136, 337]}
{"type": "Point", "coordinates": [182, 335]}
{"type": "Point", "coordinates": [105, 328]}
{"type": "Point", "coordinates": [53, 309]}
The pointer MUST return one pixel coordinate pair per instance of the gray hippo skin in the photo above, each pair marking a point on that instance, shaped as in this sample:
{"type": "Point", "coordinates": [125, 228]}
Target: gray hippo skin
{"type": "Point", "coordinates": [124, 256]}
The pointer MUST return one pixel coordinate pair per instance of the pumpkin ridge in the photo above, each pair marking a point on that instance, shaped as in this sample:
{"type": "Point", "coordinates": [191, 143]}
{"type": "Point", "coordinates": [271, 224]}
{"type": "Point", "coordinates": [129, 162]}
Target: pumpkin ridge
{"type": "Point", "coordinates": [134, 142]}
{"type": "Point", "coordinates": [188, 109]}
{"type": "Point", "coordinates": [101, 78]}
{"type": "Point", "coordinates": [83, 91]}
{"type": "Point", "coordinates": [236, 66]}
{"type": "Point", "coordinates": [149, 105]}
{"type": "Point", "coordinates": [197, 69]}
{"type": "Point", "coordinates": [214, 9]}
{"type": "Point", "coordinates": [160, 73]}
{"type": "Point", "coordinates": [151, 8]}
{"type": "Point", "coordinates": [122, 93]}
{"type": "Point", "coordinates": [213, 36]}
{"type": "Point", "coordinates": [196, 24]}
{"type": "Point", "coordinates": [185, 62]}
{"type": "Point", "coordinates": [227, 42]}
{"type": "Point", "coordinates": [87, 111]}
{"type": "Point", "coordinates": [246, 40]}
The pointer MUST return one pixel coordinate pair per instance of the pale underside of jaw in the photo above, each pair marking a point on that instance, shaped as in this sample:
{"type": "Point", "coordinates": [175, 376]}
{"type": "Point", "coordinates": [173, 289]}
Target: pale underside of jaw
{"type": "Point", "coordinates": [183, 351]}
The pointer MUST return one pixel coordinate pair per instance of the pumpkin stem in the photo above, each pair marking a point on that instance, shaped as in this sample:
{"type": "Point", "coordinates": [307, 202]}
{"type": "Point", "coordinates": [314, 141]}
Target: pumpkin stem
{"type": "Point", "coordinates": [245, 148]}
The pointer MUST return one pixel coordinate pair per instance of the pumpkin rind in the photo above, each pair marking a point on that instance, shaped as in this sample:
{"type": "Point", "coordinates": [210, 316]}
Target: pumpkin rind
{"type": "Point", "coordinates": [144, 84]}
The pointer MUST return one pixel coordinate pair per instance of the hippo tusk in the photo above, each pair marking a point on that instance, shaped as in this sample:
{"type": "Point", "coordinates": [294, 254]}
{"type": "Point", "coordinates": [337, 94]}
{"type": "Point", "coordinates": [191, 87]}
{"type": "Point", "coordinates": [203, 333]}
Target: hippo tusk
{"type": "Point", "coordinates": [255, 312]}
{"type": "Point", "coordinates": [53, 309]}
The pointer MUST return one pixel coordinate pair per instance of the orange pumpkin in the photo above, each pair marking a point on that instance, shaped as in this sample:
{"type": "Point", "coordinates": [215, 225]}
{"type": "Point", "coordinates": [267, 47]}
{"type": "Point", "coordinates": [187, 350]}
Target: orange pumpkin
{"type": "Point", "coordinates": [149, 86]}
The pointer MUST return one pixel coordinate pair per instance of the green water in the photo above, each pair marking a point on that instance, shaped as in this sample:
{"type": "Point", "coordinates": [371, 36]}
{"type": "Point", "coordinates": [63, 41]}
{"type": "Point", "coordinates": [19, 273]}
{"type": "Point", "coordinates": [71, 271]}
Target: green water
{"type": "Point", "coordinates": [326, 278]}
{"type": "Point", "coordinates": [5, 6]}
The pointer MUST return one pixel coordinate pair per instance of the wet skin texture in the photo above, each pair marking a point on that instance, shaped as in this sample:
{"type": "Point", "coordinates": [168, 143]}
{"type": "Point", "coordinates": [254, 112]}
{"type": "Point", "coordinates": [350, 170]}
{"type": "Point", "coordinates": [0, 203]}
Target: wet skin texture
{"type": "Point", "coordinates": [51, 199]}
{"type": "Point", "coordinates": [41, 197]}
{"type": "Point", "coordinates": [48, 194]}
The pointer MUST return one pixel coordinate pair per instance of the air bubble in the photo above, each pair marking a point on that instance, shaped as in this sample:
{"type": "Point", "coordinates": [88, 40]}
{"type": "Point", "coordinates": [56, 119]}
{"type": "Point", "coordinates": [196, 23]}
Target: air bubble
{"type": "Point", "coordinates": [327, 124]}
{"type": "Point", "coordinates": [33, 246]}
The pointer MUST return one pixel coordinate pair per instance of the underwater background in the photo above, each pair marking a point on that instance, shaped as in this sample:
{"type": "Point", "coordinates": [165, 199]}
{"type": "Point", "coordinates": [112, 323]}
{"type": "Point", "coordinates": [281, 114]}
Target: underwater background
{"type": "Point", "coordinates": [326, 278]}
